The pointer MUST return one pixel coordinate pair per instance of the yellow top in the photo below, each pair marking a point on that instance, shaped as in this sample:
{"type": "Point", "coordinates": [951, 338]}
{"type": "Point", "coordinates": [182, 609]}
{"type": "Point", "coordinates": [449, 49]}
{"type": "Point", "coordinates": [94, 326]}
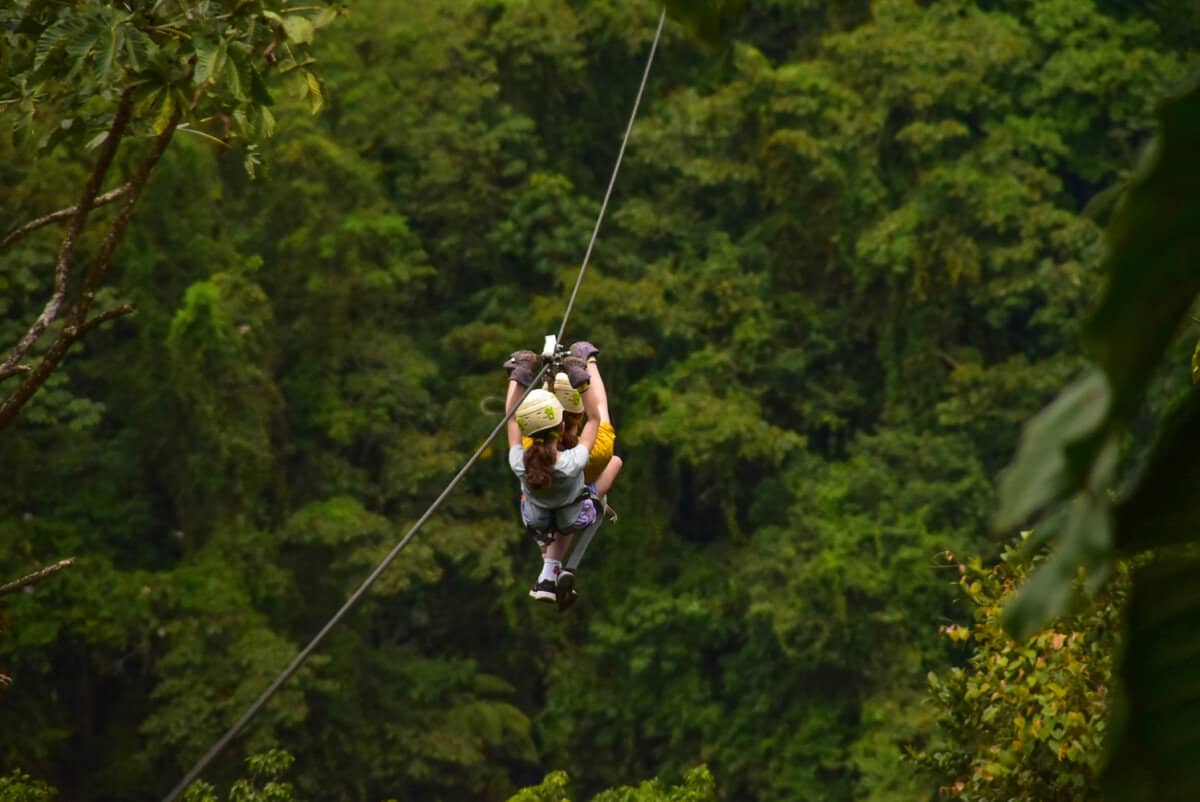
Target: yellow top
{"type": "Point", "coordinates": [598, 457]}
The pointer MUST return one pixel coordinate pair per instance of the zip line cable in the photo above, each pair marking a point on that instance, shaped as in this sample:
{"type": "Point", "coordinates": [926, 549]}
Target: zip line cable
{"type": "Point", "coordinates": [613, 180]}
{"type": "Point", "coordinates": [287, 673]}
{"type": "Point", "coordinates": [304, 653]}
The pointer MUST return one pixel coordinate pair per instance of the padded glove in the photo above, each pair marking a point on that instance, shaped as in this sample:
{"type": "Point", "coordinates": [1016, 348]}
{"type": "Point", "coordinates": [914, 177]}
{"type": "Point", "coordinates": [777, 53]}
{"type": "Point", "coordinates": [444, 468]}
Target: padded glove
{"type": "Point", "coordinates": [577, 374]}
{"type": "Point", "coordinates": [522, 366]}
{"type": "Point", "coordinates": [584, 350]}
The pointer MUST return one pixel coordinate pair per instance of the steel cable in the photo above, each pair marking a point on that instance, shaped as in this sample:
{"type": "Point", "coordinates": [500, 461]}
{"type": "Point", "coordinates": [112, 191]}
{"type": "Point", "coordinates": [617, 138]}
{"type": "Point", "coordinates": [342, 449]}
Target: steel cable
{"type": "Point", "coordinates": [354, 598]}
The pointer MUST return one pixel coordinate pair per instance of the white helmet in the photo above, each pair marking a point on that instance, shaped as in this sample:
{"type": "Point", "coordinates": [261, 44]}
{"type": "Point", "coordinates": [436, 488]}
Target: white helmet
{"type": "Point", "coordinates": [539, 411]}
{"type": "Point", "coordinates": [568, 395]}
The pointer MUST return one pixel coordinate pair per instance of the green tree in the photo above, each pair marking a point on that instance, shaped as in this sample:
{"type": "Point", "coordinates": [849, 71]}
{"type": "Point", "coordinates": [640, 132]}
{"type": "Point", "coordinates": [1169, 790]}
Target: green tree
{"type": "Point", "coordinates": [842, 263]}
{"type": "Point", "coordinates": [105, 75]}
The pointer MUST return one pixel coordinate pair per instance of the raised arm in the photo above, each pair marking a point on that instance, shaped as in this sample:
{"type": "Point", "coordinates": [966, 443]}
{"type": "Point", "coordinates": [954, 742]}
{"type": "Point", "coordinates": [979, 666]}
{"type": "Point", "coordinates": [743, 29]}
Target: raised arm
{"type": "Point", "coordinates": [585, 376]}
{"type": "Point", "coordinates": [510, 402]}
{"type": "Point", "coordinates": [522, 367]}
{"type": "Point", "coordinates": [591, 408]}
{"type": "Point", "coordinates": [598, 392]}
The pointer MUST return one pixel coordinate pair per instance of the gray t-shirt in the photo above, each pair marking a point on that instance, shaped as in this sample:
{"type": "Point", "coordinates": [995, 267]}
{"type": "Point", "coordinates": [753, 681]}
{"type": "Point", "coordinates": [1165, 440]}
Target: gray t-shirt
{"type": "Point", "coordinates": [568, 477]}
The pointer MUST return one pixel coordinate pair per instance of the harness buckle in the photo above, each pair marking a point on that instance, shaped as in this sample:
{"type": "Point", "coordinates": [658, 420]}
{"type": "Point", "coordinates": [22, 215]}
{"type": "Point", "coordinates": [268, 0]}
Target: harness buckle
{"type": "Point", "coordinates": [543, 538]}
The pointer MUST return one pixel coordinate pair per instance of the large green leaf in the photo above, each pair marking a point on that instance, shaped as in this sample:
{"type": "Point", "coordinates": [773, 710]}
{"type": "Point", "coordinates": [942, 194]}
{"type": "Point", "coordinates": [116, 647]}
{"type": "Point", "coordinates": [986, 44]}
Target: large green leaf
{"type": "Point", "coordinates": [1044, 469]}
{"type": "Point", "coordinates": [165, 112]}
{"type": "Point", "coordinates": [139, 48]}
{"type": "Point", "coordinates": [1086, 540]}
{"type": "Point", "coordinates": [1164, 508]}
{"type": "Point", "coordinates": [237, 76]}
{"type": "Point", "coordinates": [1154, 276]}
{"type": "Point", "coordinates": [108, 44]}
{"type": "Point", "coordinates": [84, 40]}
{"type": "Point", "coordinates": [1069, 449]}
{"type": "Point", "coordinates": [54, 38]}
{"type": "Point", "coordinates": [210, 60]}
{"type": "Point", "coordinates": [299, 29]}
{"type": "Point", "coordinates": [1153, 237]}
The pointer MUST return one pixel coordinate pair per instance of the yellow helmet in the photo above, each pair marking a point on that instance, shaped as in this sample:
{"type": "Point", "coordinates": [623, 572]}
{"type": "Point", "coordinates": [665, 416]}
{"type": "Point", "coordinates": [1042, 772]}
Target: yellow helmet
{"type": "Point", "coordinates": [567, 395]}
{"type": "Point", "coordinates": [540, 410]}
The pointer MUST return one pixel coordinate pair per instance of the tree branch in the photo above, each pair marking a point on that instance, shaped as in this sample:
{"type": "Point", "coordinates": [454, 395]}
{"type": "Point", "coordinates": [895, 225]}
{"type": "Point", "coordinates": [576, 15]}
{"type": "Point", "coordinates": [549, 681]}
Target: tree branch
{"type": "Point", "coordinates": [108, 151]}
{"type": "Point", "coordinates": [36, 576]}
{"type": "Point", "coordinates": [77, 323]}
{"type": "Point", "coordinates": [116, 230]}
{"type": "Point", "coordinates": [61, 214]}
{"type": "Point", "coordinates": [949, 360]}
{"type": "Point", "coordinates": [104, 317]}
{"type": "Point", "coordinates": [14, 370]}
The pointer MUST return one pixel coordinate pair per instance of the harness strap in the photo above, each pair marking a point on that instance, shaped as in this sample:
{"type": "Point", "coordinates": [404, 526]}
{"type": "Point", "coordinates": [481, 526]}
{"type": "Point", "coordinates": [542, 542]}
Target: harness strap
{"type": "Point", "coordinates": [546, 537]}
{"type": "Point", "coordinates": [543, 537]}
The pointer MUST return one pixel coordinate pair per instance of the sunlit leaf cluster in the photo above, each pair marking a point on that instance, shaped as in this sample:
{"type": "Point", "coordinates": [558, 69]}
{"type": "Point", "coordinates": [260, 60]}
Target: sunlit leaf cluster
{"type": "Point", "coordinates": [63, 65]}
{"type": "Point", "coordinates": [1023, 717]}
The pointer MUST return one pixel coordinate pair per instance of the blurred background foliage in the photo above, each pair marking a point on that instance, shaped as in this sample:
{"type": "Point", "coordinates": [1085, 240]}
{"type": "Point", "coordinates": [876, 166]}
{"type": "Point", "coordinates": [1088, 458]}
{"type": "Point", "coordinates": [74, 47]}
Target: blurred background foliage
{"type": "Point", "coordinates": [851, 250]}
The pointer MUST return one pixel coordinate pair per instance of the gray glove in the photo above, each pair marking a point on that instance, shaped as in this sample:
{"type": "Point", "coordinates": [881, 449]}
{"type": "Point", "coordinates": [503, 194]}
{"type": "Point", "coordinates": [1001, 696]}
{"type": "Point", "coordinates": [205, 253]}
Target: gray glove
{"type": "Point", "coordinates": [584, 350]}
{"type": "Point", "coordinates": [522, 366]}
{"type": "Point", "coordinates": [577, 373]}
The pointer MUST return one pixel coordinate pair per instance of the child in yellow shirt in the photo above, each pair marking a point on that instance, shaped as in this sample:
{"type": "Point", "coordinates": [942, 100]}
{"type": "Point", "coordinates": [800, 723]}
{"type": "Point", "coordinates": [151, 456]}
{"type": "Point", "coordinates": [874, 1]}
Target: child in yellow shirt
{"type": "Point", "coordinates": [566, 434]}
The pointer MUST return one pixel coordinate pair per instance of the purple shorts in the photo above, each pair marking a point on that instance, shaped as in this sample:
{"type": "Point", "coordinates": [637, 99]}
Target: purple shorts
{"type": "Point", "coordinates": [587, 513]}
{"type": "Point", "coordinates": [571, 518]}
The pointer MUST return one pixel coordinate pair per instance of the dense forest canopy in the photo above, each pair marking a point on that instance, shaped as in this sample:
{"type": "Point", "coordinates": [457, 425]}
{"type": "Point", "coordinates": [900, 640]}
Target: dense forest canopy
{"type": "Point", "coordinates": [851, 250]}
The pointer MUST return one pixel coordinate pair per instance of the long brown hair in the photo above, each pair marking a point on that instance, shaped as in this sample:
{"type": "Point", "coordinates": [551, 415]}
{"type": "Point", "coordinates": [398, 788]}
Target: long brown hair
{"type": "Point", "coordinates": [540, 458]}
{"type": "Point", "coordinates": [570, 435]}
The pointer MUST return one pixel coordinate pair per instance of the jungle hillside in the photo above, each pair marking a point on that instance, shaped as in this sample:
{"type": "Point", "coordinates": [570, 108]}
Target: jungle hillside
{"type": "Point", "coordinates": [895, 309]}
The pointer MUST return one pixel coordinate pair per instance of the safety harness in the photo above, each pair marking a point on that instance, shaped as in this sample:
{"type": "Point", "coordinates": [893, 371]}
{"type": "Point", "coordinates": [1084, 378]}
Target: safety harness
{"type": "Point", "coordinates": [553, 352]}
{"type": "Point", "coordinates": [546, 537]}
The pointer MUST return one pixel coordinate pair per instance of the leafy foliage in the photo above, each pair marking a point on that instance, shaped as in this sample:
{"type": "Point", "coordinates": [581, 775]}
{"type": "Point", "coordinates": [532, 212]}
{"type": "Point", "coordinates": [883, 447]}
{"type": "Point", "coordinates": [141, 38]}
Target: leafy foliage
{"type": "Point", "coordinates": [97, 74]}
{"type": "Point", "coordinates": [65, 63]}
{"type": "Point", "coordinates": [842, 263]}
{"type": "Point", "coordinates": [1069, 452]}
{"type": "Point", "coordinates": [264, 784]}
{"type": "Point", "coordinates": [1069, 457]}
{"type": "Point", "coordinates": [18, 786]}
{"type": "Point", "coordinates": [697, 786]}
{"type": "Point", "coordinates": [1023, 718]}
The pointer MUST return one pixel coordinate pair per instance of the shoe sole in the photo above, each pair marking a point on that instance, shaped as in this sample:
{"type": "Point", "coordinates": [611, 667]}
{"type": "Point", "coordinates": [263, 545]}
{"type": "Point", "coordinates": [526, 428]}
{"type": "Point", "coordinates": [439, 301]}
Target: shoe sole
{"type": "Point", "coordinates": [543, 596]}
{"type": "Point", "coordinates": [564, 591]}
